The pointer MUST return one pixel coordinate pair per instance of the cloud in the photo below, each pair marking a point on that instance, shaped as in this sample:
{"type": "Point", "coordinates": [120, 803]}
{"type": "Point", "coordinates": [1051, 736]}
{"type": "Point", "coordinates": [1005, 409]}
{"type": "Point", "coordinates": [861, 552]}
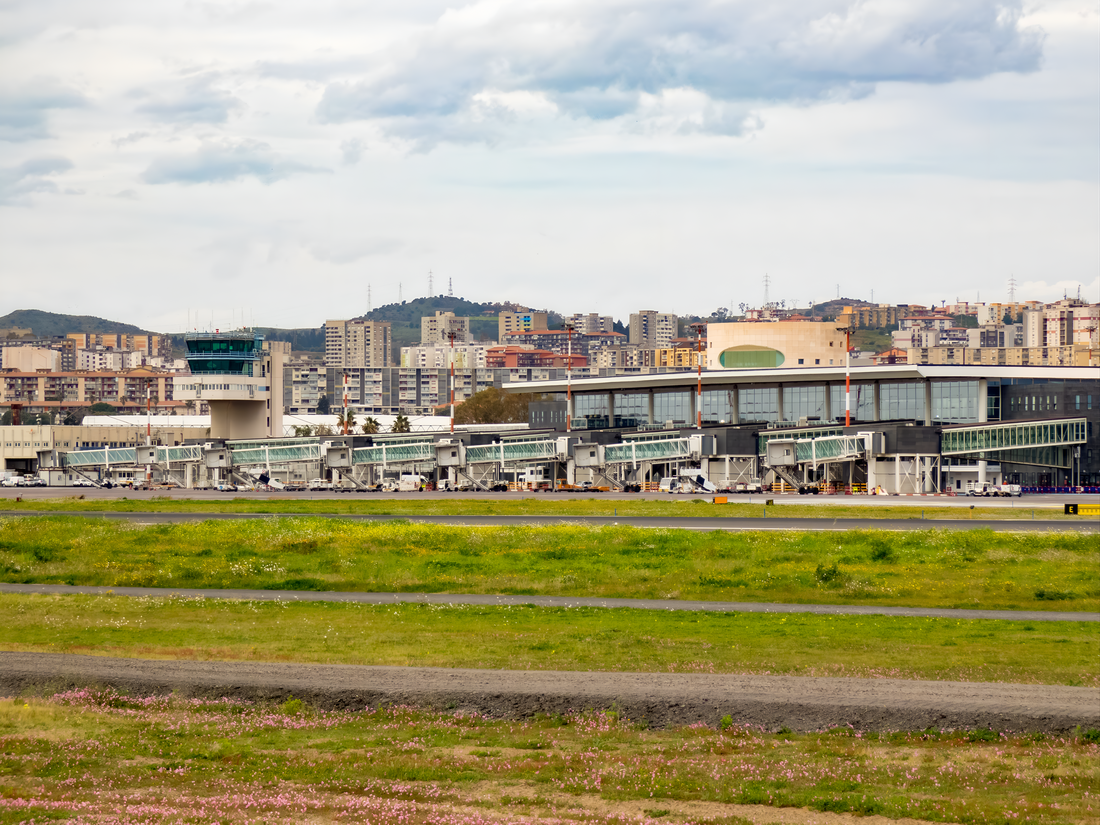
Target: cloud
{"type": "Point", "coordinates": [23, 112]}
{"type": "Point", "coordinates": [225, 161]}
{"type": "Point", "coordinates": [351, 151]}
{"type": "Point", "coordinates": [197, 102]}
{"type": "Point", "coordinates": [17, 183]}
{"type": "Point", "coordinates": [598, 61]}
{"type": "Point", "coordinates": [349, 252]}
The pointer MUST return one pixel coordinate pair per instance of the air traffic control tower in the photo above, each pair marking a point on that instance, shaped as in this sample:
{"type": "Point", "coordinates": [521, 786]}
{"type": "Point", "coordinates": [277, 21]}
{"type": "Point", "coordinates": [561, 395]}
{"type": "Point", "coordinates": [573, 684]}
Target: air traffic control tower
{"type": "Point", "coordinates": [240, 378]}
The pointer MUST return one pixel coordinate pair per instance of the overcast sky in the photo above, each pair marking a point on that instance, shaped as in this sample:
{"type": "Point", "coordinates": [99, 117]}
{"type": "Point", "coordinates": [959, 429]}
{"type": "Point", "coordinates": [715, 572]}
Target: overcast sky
{"type": "Point", "coordinates": [272, 160]}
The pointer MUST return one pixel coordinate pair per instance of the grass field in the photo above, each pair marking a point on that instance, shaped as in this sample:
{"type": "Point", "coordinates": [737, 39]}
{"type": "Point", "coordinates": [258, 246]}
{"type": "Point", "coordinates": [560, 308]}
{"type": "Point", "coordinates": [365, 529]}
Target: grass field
{"type": "Point", "coordinates": [534, 505]}
{"type": "Point", "coordinates": [96, 756]}
{"type": "Point", "coordinates": [525, 637]}
{"type": "Point", "coordinates": [931, 568]}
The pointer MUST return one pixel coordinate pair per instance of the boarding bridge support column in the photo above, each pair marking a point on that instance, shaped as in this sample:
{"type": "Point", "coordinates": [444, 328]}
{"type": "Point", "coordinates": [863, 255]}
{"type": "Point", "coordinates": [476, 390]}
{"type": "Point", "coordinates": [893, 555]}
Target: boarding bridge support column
{"type": "Point", "coordinates": [927, 462]}
{"type": "Point", "coordinates": [897, 474]}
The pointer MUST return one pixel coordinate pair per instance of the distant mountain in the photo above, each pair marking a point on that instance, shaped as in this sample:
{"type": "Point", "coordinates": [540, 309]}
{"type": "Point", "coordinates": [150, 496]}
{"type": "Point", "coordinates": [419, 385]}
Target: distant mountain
{"type": "Point", "coordinates": [301, 340]}
{"type": "Point", "coordinates": [48, 324]}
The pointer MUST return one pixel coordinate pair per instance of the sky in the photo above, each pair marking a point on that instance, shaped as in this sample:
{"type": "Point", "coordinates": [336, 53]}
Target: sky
{"type": "Point", "coordinates": [189, 164]}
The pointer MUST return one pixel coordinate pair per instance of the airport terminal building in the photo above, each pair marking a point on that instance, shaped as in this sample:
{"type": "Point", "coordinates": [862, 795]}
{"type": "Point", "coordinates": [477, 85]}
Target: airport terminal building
{"type": "Point", "coordinates": [926, 428]}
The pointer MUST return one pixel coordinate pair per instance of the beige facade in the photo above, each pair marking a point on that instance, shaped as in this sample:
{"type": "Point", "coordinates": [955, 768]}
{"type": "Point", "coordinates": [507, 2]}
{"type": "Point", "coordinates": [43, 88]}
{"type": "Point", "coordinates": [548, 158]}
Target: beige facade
{"type": "Point", "coordinates": [592, 322]}
{"type": "Point", "coordinates": [883, 315]}
{"type": "Point", "coordinates": [30, 359]}
{"type": "Point", "coordinates": [42, 390]}
{"type": "Point", "coordinates": [1075, 355]}
{"type": "Point", "coordinates": [242, 406]}
{"type": "Point", "coordinates": [148, 344]}
{"type": "Point", "coordinates": [19, 446]}
{"type": "Point", "coordinates": [440, 356]}
{"type": "Point", "coordinates": [771, 344]}
{"type": "Point", "coordinates": [508, 322]}
{"type": "Point", "coordinates": [437, 329]}
{"type": "Point", "coordinates": [358, 344]}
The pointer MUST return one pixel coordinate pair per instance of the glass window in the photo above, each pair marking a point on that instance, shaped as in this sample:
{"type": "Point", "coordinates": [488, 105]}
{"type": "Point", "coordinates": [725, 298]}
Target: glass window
{"type": "Point", "coordinates": [803, 402]}
{"type": "Point", "coordinates": [718, 406]}
{"type": "Point", "coordinates": [953, 401]}
{"type": "Point", "coordinates": [758, 404]}
{"type": "Point", "coordinates": [672, 406]}
{"type": "Point", "coordinates": [632, 405]}
{"type": "Point", "coordinates": [589, 404]}
{"type": "Point", "coordinates": [901, 401]}
{"type": "Point", "coordinates": [863, 402]}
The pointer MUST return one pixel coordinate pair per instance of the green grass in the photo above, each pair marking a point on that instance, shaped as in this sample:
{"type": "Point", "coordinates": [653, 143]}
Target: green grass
{"type": "Point", "coordinates": [101, 756]}
{"type": "Point", "coordinates": [975, 569]}
{"type": "Point", "coordinates": [526, 637]}
{"type": "Point", "coordinates": [540, 504]}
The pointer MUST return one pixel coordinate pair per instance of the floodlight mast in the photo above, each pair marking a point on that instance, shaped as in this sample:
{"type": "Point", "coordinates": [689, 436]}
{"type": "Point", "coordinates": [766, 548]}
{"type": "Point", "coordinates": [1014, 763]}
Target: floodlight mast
{"type": "Point", "coordinates": [569, 377]}
{"type": "Point", "coordinates": [699, 329]}
{"type": "Point", "coordinates": [847, 374]}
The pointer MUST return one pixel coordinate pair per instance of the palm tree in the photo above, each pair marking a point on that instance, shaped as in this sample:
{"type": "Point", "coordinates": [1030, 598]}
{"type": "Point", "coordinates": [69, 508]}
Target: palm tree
{"type": "Point", "coordinates": [400, 425]}
{"type": "Point", "coordinates": [370, 426]}
{"type": "Point", "coordinates": [345, 423]}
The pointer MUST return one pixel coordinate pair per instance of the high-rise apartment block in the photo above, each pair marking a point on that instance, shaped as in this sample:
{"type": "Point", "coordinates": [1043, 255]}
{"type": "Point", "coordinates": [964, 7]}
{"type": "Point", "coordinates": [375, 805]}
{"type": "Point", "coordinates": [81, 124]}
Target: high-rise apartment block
{"type": "Point", "coordinates": [592, 322]}
{"type": "Point", "coordinates": [357, 343]}
{"type": "Point", "coordinates": [437, 329]}
{"type": "Point", "coordinates": [147, 344]}
{"type": "Point", "coordinates": [653, 330]}
{"type": "Point", "coordinates": [520, 322]}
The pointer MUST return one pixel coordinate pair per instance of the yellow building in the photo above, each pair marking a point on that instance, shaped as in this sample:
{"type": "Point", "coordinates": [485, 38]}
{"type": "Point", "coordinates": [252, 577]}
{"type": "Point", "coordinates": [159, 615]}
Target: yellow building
{"type": "Point", "coordinates": [878, 317]}
{"type": "Point", "coordinates": [772, 344]}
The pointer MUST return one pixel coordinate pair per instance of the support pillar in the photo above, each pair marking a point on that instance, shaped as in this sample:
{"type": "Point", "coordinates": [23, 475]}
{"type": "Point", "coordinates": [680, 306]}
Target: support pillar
{"type": "Point", "coordinates": [875, 406]}
{"type": "Point", "coordinates": [650, 408]}
{"type": "Point", "coordinates": [897, 474]}
{"type": "Point", "coordinates": [983, 417]}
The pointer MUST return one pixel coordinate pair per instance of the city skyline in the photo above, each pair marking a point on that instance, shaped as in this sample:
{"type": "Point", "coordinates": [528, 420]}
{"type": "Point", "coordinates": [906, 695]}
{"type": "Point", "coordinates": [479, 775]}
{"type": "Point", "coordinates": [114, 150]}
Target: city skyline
{"type": "Point", "coordinates": [160, 162]}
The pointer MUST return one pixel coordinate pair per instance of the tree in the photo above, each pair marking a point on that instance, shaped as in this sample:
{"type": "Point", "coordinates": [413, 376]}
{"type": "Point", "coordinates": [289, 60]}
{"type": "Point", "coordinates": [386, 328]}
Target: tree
{"type": "Point", "coordinates": [400, 425]}
{"type": "Point", "coordinates": [494, 406]}
{"type": "Point", "coordinates": [347, 423]}
{"type": "Point", "coordinates": [302, 430]}
{"type": "Point", "coordinates": [322, 429]}
{"type": "Point", "coordinates": [370, 426]}
{"type": "Point", "coordinates": [324, 406]}
{"type": "Point", "coordinates": [1007, 320]}
{"type": "Point", "coordinates": [966, 321]}
{"type": "Point", "coordinates": [189, 405]}
{"type": "Point", "coordinates": [101, 408]}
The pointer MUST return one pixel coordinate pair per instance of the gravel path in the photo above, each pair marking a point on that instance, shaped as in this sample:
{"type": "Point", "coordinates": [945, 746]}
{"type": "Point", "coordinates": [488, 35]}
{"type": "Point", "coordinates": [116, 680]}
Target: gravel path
{"type": "Point", "coordinates": [659, 699]}
{"type": "Point", "coordinates": [556, 601]}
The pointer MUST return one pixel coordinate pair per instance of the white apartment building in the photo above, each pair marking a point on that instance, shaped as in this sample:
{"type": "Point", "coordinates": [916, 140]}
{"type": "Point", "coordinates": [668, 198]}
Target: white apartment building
{"type": "Point", "coordinates": [439, 356]}
{"type": "Point", "coordinates": [650, 329]}
{"type": "Point", "coordinates": [1062, 324]}
{"type": "Point", "coordinates": [357, 343]}
{"type": "Point", "coordinates": [592, 322]}
{"type": "Point", "coordinates": [436, 329]}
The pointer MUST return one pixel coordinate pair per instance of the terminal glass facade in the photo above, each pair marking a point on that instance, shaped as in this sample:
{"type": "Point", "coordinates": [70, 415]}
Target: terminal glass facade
{"type": "Point", "coordinates": [632, 405]}
{"type": "Point", "coordinates": [593, 404]}
{"type": "Point", "coordinates": [718, 406]}
{"type": "Point", "coordinates": [672, 406]}
{"type": "Point", "coordinates": [901, 401]}
{"type": "Point", "coordinates": [863, 402]}
{"type": "Point", "coordinates": [758, 404]}
{"type": "Point", "coordinates": [955, 402]}
{"type": "Point", "coordinates": [803, 402]}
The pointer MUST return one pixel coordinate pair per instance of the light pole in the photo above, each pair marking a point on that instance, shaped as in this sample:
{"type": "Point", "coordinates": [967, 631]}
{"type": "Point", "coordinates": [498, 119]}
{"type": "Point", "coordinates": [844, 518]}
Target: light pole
{"type": "Point", "coordinates": [451, 334]}
{"type": "Point", "coordinates": [569, 377]}
{"type": "Point", "coordinates": [847, 374]}
{"type": "Point", "coordinates": [699, 329]}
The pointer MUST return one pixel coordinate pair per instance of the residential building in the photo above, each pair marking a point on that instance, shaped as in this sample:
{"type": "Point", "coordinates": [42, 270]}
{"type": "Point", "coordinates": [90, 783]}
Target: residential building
{"type": "Point", "coordinates": [526, 321]}
{"type": "Point", "coordinates": [440, 355]}
{"type": "Point", "coordinates": [437, 329]}
{"type": "Point", "coordinates": [653, 330]}
{"type": "Point", "coordinates": [592, 322]}
{"type": "Point", "coordinates": [358, 344]}
{"type": "Point", "coordinates": [45, 391]}
{"type": "Point", "coordinates": [1060, 324]}
{"type": "Point", "coordinates": [873, 317]}
{"type": "Point", "coordinates": [771, 344]}
{"type": "Point", "coordinates": [148, 344]}
{"type": "Point", "coordinates": [562, 343]}
{"type": "Point", "coordinates": [1073, 355]}
{"type": "Point", "coordinates": [517, 357]}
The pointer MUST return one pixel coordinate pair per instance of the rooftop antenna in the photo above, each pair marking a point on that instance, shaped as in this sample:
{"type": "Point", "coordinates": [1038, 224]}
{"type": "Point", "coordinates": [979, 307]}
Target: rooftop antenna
{"type": "Point", "coordinates": [1012, 290]}
{"type": "Point", "coordinates": [431, 291]}
{"type": "Point", "coordinates": [450, 287]}
{"type": "Point", "coordinates": [838, 290]}
{"type": "Point", "coordinates": [399, 299]}
{"type": "Point", "coordinates": [368, 298]}
{"type": "Point", "coordinates": [767, 286]}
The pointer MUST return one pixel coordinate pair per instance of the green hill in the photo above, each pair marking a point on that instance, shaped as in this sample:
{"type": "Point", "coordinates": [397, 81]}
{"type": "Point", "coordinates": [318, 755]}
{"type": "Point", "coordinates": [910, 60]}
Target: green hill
{"type": "Point", "coordinates": [49, 324]}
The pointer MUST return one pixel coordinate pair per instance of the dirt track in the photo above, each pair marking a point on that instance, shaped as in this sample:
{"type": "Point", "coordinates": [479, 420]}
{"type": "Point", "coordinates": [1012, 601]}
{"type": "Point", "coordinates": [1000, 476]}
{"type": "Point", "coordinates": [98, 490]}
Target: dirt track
{"type": "Point", "coordinates": [656, 698]}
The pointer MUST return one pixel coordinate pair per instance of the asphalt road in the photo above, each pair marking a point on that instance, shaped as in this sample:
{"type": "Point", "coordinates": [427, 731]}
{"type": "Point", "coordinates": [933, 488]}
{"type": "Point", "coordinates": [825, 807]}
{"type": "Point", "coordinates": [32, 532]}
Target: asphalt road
{"type": "Point", "coordinates": [667, 523]}
{"type": "Point", "coordinates": [554, 601]}
{"type": "Point", "coordinates": [660, 699]}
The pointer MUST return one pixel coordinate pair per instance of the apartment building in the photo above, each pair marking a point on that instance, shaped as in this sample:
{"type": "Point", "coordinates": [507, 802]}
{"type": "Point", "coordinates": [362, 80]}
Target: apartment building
{"type": "Point", "coordinates": [30, 359]}
{"type": "Point", "coordinates": [517, 357]}
{"type": "Point", "coordinates": [876, 317]}
{"type": "Point", "coordinates": [148, 344]}
{"type": "Point", "coordinates": [650, 329]}
{"type": "Point", "coordinates": [437, 329]}
{"type": "Point", "coordinates": [592, 322]}
{"type": "Point", "coordinates": [43, 391]}
{"type": "Point", "coordinates": [1073, 355]}
{"type": "Point", "coordinates": [358, 344]}
{"type": "Point", "coordinates": [526, 321]}
{"type": "Point", "coordinates": [438, 356]}
{"type": "Point", "coordinates": [559, 341]}
{"type": "Point", "coordinates": [1061, 324]}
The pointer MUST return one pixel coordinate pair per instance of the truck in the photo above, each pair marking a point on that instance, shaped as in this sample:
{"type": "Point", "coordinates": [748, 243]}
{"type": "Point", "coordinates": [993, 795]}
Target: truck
{"type": "Point", "coordinates": [410, 482]}
{"type": "Point", "coordinates": [319, 484]}
{"type": "Point", "coordinates": [753, 485]}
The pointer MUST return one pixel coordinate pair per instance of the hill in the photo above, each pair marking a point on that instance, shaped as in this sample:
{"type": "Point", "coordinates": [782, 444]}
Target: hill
{"type": "Point", "coordinates": [48, 324]}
